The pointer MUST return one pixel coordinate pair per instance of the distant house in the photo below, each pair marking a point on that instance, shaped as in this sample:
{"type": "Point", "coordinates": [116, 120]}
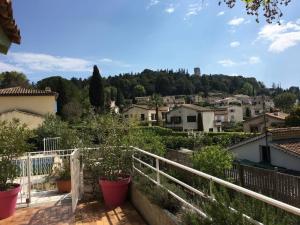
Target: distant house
{"type": "Point", "coordinates": [30, 106]}
{"type": "Point", "coordinates": [192, 117]}
{"type": "Point", "coordinates": [142, 100]}
{"type": "Point", "coordinates": [145, 113]}
{"type": "Point", "coordinates": [257, 125]}
{"type": "Point", "coordinates": [282, 148]}
{"type": "Point", "coordinates": [9, 32]}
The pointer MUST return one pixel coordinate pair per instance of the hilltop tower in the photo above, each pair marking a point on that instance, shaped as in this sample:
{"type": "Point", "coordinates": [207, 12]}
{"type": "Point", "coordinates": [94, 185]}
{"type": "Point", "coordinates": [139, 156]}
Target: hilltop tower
{"type": "Point", "coordinates": [197, 71]}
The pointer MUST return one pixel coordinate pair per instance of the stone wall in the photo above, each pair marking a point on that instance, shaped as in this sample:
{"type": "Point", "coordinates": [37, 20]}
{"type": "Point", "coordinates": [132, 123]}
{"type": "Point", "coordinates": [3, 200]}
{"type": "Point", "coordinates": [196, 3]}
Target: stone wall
{"type": "Point", "coordinates": [90, 186]}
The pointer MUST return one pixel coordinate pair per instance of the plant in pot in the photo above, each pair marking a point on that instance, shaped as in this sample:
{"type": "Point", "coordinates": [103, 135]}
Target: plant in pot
{"type": "Point", "coordinates": [13, 144]}
{"type": "Point", "coordinates": [61, 173]}
{"type": "Point", "coordinates": [112, 161]}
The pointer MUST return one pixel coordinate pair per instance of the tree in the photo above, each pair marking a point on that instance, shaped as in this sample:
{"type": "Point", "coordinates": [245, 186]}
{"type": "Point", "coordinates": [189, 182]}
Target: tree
{"type": "Point", "coordinates": [247, 89]}
{"type": "Point", "coordinates": [66, 90]}
{"type": "Point", "coordinates": [72, 111]}
{"type": "Point", "coordinates": [270, 8]}
{"type": "Point", "coordinates": [156, 101]}
{"type": "Point", "coordinates": [13, 79]}
{"type": "Point", "coordinates": [120, 98]}
{"type": "Point", "coordinates": [139, 90]}
{"type": "Point", "coordinates": [213, 160]}
{"type": "Point", "coordinates": [96, 91]}
{"type": "Point", "coordinates": [293, 120]}
{"type": "Point", "coordinates": [285, 101]}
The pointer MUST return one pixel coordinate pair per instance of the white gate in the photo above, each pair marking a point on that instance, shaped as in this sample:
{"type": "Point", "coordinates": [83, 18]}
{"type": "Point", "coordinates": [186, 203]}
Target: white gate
{"type": "Point", "coordinates": [75, 178]}
{"type": "Point", "coordinates": [50, 144]}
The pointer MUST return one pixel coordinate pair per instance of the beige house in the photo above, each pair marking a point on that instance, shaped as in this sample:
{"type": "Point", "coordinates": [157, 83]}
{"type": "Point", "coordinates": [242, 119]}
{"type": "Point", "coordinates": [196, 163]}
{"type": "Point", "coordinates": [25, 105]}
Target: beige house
{"type": "Point", "coordinates": [145, 113]}
{"type": "Point", "coordinates": [192, 117]}
{"type": "Point", "coordinates": [30, 106]}
{"type": "Point", "coordinates": [257, 124]}
{"type": "Point", "coordinates": [9, 32]}
{"type": "Point", "coordinates": [281, 148]}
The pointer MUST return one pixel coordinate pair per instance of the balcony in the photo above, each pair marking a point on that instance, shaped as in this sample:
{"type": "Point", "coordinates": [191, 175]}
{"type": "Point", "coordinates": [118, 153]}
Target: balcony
{"type": "Point", "coordinates": [159, 174]}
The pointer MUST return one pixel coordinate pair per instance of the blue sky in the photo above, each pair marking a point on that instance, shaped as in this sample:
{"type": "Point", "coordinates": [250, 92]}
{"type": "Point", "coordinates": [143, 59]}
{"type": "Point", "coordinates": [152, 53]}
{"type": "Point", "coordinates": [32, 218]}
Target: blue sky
{"type": "Point", "coordinates": [67, 37]}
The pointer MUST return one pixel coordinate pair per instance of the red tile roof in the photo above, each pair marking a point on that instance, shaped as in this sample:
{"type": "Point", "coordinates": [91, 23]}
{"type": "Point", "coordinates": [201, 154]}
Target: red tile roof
{"type": "Point", "coordinates": [8, 23]}
{"type": "Point", "coordinates": [20, 91]}
{"type": "Point", "coordinates": [291, 146]}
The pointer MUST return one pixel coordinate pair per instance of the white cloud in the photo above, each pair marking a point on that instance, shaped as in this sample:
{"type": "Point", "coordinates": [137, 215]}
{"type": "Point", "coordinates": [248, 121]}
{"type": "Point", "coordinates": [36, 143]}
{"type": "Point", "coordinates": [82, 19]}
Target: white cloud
{"type": "Point", "coordinates": [235, 44]}
{"type": "Point", "coordinates": [236, 21]}
{"type": "Point", "coordinates": [8, 67]}
{"type": "Point", "coordinates": [254, 60]}
{"type": "Point", "coordinates": [280, 37]}
{"type": "Point", "coordinates": [152, 3]}
{"type": "Point", "coordinates": [193, 9]}
{"type": "Point", "coordinates": [221, 13]}
{"type": "Point", "coordinates": [38, 62]}
{"type": "Point", "coordinates": [170, 9]}
{"type": "Point", "coordinates": [227, 63]}
{"type": "Point", "coordinates": [45, 62]}
{"type": "Point", "coordinates": [230, 63]}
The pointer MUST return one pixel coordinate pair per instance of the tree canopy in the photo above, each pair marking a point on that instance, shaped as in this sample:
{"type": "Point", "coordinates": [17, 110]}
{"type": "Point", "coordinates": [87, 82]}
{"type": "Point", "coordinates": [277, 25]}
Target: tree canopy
{"type": "Point", "coordinates": [285, 101]}
{"type": "Point", "coordinates": [96, 90]}
{"type": "Point", "coordinates": [13, 79]}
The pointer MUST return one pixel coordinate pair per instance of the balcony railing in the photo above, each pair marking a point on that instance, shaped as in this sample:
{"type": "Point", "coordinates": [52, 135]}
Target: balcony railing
{"type": "Point", "coordinates": [140, 154]}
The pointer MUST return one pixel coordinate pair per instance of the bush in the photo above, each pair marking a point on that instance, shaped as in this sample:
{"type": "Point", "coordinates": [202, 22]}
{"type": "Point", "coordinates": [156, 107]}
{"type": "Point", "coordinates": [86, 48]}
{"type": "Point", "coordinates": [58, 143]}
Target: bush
{"type": "Point", "coordinates": [13, 143]}
{"type": "Point", "coordinates": [213, 160]}
{"type": "Point", "coordinates": [55, 127]}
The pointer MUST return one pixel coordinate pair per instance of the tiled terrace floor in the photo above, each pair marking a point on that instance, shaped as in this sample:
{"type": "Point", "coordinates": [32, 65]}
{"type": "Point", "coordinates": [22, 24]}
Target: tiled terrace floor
{"type": "Point", "coordinates": [86, 214]}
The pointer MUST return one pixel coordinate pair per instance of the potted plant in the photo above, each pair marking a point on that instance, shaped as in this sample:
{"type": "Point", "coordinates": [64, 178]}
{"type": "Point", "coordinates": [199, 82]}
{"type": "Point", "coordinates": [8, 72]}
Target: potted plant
{"type": "Point", "coordinates": [62, 176]}
{"type": "Point", "coordinates": [13, 144]}
{"type": "Point", "coordinates": [112, 161]}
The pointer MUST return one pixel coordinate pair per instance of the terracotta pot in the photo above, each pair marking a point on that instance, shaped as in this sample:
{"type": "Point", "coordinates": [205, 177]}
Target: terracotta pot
{"type": "Point", "coordinates": [114, 192]}
{"type": "Point", "coordinates": [63, 186]}
{"type": "Point", "coordinates": [8, 201]}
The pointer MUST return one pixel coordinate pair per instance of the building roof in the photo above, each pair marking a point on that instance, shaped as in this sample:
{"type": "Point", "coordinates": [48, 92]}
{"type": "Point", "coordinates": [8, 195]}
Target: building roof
{"type": "Point", "coordinates": [23, 112]}
{"type": "Point", "coordinates": [20, 91]}
{"type": "Point", "coordinates": [8, 23]}
{"type": "Point", "coordinates": [289, 146]}
{"type": "Point", "coordinates": [147, 107]}
{"type": "Point", "coordinates": [276, 115]}
{"type": "Point", "coordinates": [195, 107]}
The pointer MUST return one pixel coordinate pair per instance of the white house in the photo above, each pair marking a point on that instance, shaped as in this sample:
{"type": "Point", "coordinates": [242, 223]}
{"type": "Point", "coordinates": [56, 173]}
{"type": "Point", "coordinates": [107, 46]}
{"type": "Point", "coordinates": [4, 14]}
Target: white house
{"type": "Point", "coordinates": [280, 148]}
{"type": "Point", "coordinates": [192, 117]}
{"type": "Point", "coordinates": [145, 113]}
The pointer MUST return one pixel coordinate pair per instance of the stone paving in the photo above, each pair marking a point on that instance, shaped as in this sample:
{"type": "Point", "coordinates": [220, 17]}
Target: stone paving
{"type": "Point", "coordinates": [92, 213]}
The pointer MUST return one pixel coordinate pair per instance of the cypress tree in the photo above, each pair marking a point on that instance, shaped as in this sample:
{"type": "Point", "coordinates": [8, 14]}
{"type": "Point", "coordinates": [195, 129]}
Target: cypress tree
{"type": "Point", "coordinates": [96, 90]}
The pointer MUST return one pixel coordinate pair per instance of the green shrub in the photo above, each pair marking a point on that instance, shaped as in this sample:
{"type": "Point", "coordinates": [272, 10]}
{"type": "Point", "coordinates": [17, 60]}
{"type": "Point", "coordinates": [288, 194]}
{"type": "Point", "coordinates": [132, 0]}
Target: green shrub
{"type": "Point", "coordinates": [213, 160]}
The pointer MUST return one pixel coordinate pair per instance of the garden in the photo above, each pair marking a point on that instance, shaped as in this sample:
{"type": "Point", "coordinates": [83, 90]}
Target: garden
{"type": "Point", "coordinates": [116, 167]}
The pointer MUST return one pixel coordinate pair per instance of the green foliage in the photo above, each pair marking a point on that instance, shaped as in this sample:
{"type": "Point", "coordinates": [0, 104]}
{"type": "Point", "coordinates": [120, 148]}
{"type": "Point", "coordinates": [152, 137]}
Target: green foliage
{"type": "Point", "coordinates": [72, 111]}
{"type": "Point", "coordinates": [139, 90]}
{"type": "Point", "coordinates": [157, 195]}
{"type": "Point", "coordinates": [13, 143]}
{"type": "Point", "coordinates": [285, 101]}
{"type": "Point", "coordinates": [247, 89]}
{"type": "Point", "coordinates": [62, 171]}
{"type": "Point", "coordinates": [148, 141]}
{"type": "Point", "coordinates": [55, 127]}
{"type": "Point", "coordinates": [66, 90]}
{"type": "Point", "coordinates": [96, 90]}
{"type": "Point", "coordinates": [13, 79]}
{"type": "Point", "coordinates": [113, 157]}
{"type": "Point", "coordinates": [213, 160]}
{"type": "Point", "coordinates": [293, 120]}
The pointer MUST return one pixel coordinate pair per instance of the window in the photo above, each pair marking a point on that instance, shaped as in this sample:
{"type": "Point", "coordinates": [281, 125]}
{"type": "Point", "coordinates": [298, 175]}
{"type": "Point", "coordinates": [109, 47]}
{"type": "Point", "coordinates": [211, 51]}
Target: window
{"type": "Point", "coordinates": [219, 129]}
{"type": "Point", "coordinates": [232, 110]}
{"type": "Point", "coordinates": [265, 154]}
{"type": "Point", "coordinates": [153, 116]}
{"type": "Point", "coordinates": [142, 117]}
{"type": "Point", "coordinates": [211, 129]}
{"type": "Point", "coordinates": [176, 119]}
{"type": "Point", "coordinates": [191, 119]}
{"type": "Point", "coordinates": [163, 115]}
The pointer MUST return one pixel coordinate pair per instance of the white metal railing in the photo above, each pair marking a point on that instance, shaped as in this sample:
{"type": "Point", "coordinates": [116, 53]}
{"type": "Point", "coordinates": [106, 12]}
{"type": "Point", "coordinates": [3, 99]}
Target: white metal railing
{"type": "Point", "coordinates": [211, 179]}
{"type": "Point", "coordinates": [75, 178]}
{"type": "Point", "coordinates": [50, 144]}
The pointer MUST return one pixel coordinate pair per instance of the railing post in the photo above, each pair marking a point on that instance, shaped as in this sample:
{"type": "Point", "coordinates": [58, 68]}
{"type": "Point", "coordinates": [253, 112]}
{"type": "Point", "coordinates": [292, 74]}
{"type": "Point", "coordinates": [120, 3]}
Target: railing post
{"type": "Point", "coordinates": [211, 187]}
{"type": "Point", "coordinates": [28, 199]}
{"type": "Point", "coordinates": [157, 171]}
{"type": "Point", "coordinates": [44, 142]}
